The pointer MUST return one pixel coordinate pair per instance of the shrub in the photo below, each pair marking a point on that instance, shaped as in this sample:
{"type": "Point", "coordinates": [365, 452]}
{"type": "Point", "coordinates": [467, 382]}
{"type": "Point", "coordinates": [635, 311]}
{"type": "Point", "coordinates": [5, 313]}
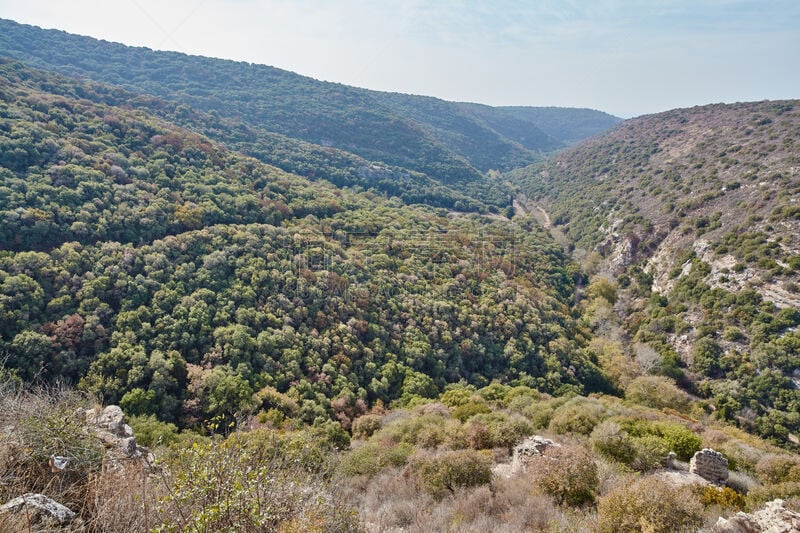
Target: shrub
{"type": "Point", "coordinates": [150, 431]}
{"type": "Point", "coordinates": [679, 439]}
{"type": "Point", "coordinates": [467, 410]}
{"type": "Point", "coordinates": [567, 473]}
{"type": "Point", "coordinates": [457, 394]}
{"type": "Point", "coordinates": [649, 505]}
{"type": "Point", "coordinates": [365, 426]}
{"type": "Point", "coordinates": [576, 416]}
{"type": "Point", "coordinates": [774, 468]}
{"type": "Point", "coordinates": [657, 392]}
{"type": "Point", "coordinates": [612, 442]}
{"type": "Point", "coordinates": [372, 457]}
{"type": "Point", "coordinates": [724, 497]}
{"type": "Point", "coordinates": [650, 453]}
{"type": "Point", "coordinates": [224, 486]}
{"type": "Point", "coordinates": [442, 473]}
{"type": "Point", "coordinates": [409, 429]}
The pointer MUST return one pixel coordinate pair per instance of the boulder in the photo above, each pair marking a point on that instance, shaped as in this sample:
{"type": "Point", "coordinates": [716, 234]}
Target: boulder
{"type": "Point", "coordinates": [710, 465]}
{"type": "Point", "coordinates": [117, 436]}
{"type": "Point", "coordinates": [530, 447]}
{"type": "Point", "coordinates": [37, 513]}
{"type": "Point", "coordinates": [773, 518]}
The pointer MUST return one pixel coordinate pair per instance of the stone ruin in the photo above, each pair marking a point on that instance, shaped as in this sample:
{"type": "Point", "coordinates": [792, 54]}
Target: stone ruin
{"type": "Point", "coordinates": [531, 447]}
{"type": "Point", "coordinates": [710, 465]}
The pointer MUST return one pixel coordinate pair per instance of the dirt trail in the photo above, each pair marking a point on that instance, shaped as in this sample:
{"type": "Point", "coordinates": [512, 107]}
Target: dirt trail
{"type": "Point", "coordinates": [525, 207]}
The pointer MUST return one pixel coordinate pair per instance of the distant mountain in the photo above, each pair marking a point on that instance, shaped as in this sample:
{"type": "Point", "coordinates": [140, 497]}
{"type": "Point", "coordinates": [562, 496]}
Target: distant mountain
{"type": "Point", "coordinates": [453, 144]}
{"type": "Point", "coordinates": [696, 214]}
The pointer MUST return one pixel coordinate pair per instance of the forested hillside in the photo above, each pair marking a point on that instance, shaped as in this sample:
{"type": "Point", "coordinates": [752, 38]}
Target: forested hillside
{"type": "Point", "coordinates": [323, 308]}
{"type": "Point", "coordinates": [164, 272]}
{"type": "Point", "coordinates": [452, 144]}
{"type": "Point", "coordinates": [695, 213]}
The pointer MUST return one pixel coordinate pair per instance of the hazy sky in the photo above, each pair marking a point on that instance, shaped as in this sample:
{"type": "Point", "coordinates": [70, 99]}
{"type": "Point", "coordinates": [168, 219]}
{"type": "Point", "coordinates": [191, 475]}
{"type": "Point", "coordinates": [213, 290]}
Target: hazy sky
{"type": "Point", "coordinates": [626, 57]}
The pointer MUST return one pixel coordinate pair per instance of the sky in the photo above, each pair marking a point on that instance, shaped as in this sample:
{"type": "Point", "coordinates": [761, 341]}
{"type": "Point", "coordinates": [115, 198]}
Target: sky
{"type": "Point", "coordinates": [625, 57]}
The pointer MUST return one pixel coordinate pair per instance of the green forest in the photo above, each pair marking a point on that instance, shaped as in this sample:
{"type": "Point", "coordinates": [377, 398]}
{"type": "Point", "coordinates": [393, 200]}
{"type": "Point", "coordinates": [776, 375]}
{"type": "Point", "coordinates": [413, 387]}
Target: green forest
{"type": "Point", "coordinates": [154, 267]}
{"type": "Point", "coordinates": [321, 308]}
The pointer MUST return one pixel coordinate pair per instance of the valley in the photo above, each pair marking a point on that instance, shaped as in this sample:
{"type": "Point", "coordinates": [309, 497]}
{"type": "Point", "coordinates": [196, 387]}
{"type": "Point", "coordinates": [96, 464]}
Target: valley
{"type": "Point", "coordinates": [325, 308]}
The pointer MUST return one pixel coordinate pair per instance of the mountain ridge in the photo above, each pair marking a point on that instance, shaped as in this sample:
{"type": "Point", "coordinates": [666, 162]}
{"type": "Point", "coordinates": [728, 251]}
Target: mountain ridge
{"type": "Point", "coordinates": [356, 120]}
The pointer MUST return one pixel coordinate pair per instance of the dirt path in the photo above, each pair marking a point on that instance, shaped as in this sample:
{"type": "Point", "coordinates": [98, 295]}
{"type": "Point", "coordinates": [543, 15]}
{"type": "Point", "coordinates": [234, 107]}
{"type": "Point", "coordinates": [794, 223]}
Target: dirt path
{"type": "Point", "coordinates": [524, 207]}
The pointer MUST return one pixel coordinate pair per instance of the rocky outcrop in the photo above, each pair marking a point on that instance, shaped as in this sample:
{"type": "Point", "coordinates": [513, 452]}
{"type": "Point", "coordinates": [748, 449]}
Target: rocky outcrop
{"type": "Point", "coordinates": [37, 513]}
{"type": "Point", "coordinates": [530, 447]}
{"type": "Point", "coordinates": [117, 436]}
{"type": "Point", "coordinates": [710, 465]}
{"type": "Point", "coordinates": [774, 518]}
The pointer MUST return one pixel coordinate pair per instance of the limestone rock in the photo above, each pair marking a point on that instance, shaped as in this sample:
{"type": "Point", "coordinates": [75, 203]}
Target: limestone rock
{"type": "Point", "coordinates": [111, 419]}
{"type": "Point", "coordinates": [117, 436]}
{"type": "Point", "coordinates": [773, 518]}
{"type": "Point", "coordinates": [710, 465]}
{"type": "Point", "coordinates": [530, 447]}
{"type": "Point", "coordinates": [37, 513]}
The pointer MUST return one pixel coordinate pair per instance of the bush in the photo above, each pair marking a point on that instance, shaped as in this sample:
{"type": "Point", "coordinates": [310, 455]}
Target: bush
{"type": "Point", "coordinates": [576, 416]}
{"type": "Point", "coordinates": [774, 468]}
{"type": "Point", "coordinates": [467, 410]}
{"type": "Point", "coordinates": [649, 505]}
{"type": "Point", "coordinates": [457, 394]}
{"type": "Point", "coordinates": [372, 457]}
{"type": "Point", "coordinates": [657, 392]}
{"type": "Point", "coordinates": [650, 453]}
{"type": "Point", "coordinates": [365, 426]}
{"type": "Point", "coordinates": [442, 473]}
{"type": "Point", "coordinates": [612, 442]}
{"type": "Point", "coordinates": [224, 486]}
{"type": "Point", "coordinates": [150, 431]}
{"type": "Point", "coordinates": [724, 497]}
{"type": "Point", "coordinates": [567, 473]}
{"type": "Point", "coordinates": [679, 439]}
{"type": "Point", "coordinates": [410, 428]}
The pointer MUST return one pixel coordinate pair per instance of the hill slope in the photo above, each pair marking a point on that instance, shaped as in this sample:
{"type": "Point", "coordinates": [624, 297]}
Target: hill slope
{"type": "Point", "coordinates": [177, 277]}
{"type": "Point", "coordinates": [695, 211]}
{"type": "Point", "coordinates": [446, 141]}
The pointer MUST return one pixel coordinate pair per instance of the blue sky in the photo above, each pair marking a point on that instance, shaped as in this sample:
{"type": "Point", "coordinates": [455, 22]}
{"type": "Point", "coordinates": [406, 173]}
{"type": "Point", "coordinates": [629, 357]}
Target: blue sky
{"type": "Point", "coordinates": [626, 57]}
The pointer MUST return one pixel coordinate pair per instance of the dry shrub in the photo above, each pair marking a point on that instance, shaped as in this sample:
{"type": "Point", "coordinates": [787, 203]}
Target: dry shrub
{"type": "Point", "coordinates": [481, 509]}
{"type": "Point", "coordinates": [788, 491]}
{"type": "Point", "coordinates": [649, 505]}
{"type": "Point", "coordinates": [778, 468]}
{"type": "Point", "coordinates": [125, 500]}
{"type": "Point", "coordinates": [37, 425]}
{"type": "Point", "coordinates": [478, 435]}
{"type": "Point", "coordinates": [567, 473]}
{"type": "Point", "coordinates": [392, 500]}
{"type": "Point", "coordinates": [741, 482]}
